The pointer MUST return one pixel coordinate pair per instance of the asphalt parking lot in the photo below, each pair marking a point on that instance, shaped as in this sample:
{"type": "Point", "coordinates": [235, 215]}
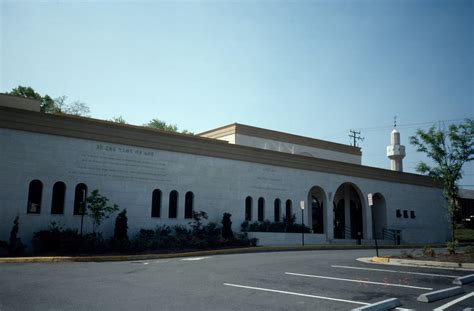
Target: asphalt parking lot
{"type": "Point", "coordinates": [309, 280]}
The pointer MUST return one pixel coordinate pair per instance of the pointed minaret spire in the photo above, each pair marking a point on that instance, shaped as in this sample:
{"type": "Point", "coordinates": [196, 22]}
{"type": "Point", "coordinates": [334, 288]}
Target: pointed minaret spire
{"type": "Point", "coordinates": [395, 151]}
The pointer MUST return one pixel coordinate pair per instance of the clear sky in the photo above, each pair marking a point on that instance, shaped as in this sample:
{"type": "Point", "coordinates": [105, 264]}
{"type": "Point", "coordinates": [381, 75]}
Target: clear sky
{"type": "Point", "coordinates": [312, 68]}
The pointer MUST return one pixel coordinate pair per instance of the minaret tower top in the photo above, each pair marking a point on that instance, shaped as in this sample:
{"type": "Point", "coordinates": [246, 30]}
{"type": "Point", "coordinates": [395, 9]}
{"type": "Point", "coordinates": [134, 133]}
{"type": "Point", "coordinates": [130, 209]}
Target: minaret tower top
{"type": "Point", "coordinates": [395, 151]}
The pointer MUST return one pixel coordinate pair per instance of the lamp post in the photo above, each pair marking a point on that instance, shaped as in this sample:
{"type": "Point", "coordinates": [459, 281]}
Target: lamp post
{"type": "Point", "coordinates": [302, 222]}
{"type": "Point", "coordinates": [371, 204]}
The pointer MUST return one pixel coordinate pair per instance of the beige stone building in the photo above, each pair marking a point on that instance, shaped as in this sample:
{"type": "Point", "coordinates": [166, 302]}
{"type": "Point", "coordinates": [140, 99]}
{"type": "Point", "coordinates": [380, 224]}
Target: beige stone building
{"type": "Point", "coordinates": [49, 163]}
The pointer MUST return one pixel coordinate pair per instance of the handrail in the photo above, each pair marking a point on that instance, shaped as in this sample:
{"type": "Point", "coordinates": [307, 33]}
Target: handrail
{"type": "Point", "coordinates": [391, 234]}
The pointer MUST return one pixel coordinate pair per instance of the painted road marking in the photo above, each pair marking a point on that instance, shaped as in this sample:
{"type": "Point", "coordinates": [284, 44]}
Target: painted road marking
{"type": "Point", "coordinates": [194, 258]}
{"type": "Point", "coordinates": [357, 281]}
{"type": "Point", "coordinates": [297, 294]}
{"type": "Point", "coordinates": [455, 301]}
{"type": "Point", "coordinates": [395, 271]}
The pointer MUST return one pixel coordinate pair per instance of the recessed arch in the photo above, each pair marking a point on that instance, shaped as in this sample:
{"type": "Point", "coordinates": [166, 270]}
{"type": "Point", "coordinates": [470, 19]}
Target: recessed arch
{"type": "Point", "coordinates": [317, 209]}
{"type": "Point", "coordinates": [261, 209]}
{"type": "Point", "coordinates": [348, 212]}
{"type": "Point", "coordinates": [80, 195]}
{"type": "Point", "coordinates": [248, 208]}
{"type": "Point", "coordinates": [35, 194]}
{"type": "Point", "coordinates": [188, 205]}
{"type": "Point", "coordinates": [57, 200]}
{"type": "Point", "coordinates": [156, 203]}
{"type": "Point", "coordinates": [173, 204]}
{"type": "Point", "coordinates": [276, 210]}
{"type": "Point", "coordinates": [288, 210]}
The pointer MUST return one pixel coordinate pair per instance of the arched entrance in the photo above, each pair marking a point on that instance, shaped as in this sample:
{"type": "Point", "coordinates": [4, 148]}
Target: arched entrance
{"type": "Point", "coordinates": [380, 214]}
{"type": "Point", "coordinates": [317, 204]}
{"type": "Point", "coordinates": [348, 212]}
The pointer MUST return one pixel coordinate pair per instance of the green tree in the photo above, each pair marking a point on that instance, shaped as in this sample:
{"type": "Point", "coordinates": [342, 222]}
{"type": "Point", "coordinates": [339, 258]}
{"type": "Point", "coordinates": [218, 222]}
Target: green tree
{"type": "Point", "coordinates": [162, 125]}
{"type": "Point", "coordinates": [47, 104]}
{"type": "Point", "coordinates": [76, 108]}
{"type": "Point", "coordinates": [118, 119]}
{"type": "Point", "coordinates": [15, 246]}
{"type": "Point", "coordinates": [227, 226]}
{"type": "Point", "coordinates": [449, 150]}
{"type": "Point", "coordinates": [97, 209]}
{"type": "Point", "coordinates": [121, 226]}
{"type": "Point", "coordinates": [50, 105]}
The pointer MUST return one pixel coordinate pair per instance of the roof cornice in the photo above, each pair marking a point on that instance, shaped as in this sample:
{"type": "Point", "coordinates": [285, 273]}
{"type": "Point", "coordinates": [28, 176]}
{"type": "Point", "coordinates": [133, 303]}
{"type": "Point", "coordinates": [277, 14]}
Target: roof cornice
{"type": "Point", "coordinates": [105, 131]}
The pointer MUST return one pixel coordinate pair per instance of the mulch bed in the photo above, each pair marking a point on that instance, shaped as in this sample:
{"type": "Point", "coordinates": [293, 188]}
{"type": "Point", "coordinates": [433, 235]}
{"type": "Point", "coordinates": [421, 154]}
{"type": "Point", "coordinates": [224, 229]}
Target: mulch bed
{"type": "Point", "coordinates": [445, 257]}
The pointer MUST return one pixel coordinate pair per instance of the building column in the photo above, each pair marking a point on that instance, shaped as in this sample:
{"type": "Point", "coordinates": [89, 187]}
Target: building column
{"type": "Point", "coordinates": [329, 217]}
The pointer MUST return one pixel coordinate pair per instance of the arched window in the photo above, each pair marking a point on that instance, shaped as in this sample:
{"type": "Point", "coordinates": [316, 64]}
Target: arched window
{"type": "Point", "coordinates": [288, 212]}
{"type": "Point", "coordinates": [80, 195]}
{"type": "Point", "coordinates": [261, 209]}
{"type": "Point", "coordinates": [173, 204]}
{"type": "Point", "coordinates": [248, 208]}
{"type": "Point", "coordinates": [35, 192]}
{"type": "Point", "coordinates": [156, 203]}
{"type": "Point", "coordinates": [188, 205]}
{"type": "Point", "coordinates": [277, 205]}
{"type": "Point", "coordinates": [57, 202]}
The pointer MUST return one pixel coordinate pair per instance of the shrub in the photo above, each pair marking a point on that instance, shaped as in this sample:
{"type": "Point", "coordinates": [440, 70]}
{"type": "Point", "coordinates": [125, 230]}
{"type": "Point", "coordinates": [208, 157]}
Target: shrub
{"type": "Point", "coordinates": [121, 226]}
{"type": "Point", "coordinates": [67, 241]}
{"type": "Point", "coordinates": [15, 246]}
{"type": "Point", "coordinates": [452, 246]}
{"type": "Point", "coordinates": [45, 241]}
{"type": "Point", "coordinates": [428, 251]}
{"type": "Point", "coordinates": [227, 226]}
{"type": "Point", "coordinates": [288, 225]}
{"type": "Point", "coordinates": [98, 209]}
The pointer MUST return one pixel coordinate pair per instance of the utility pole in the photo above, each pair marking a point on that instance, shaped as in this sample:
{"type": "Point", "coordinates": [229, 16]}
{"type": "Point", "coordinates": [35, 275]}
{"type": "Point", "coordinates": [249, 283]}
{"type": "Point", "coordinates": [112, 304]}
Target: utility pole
{"type": "Point", "coordinates": [355, 136]}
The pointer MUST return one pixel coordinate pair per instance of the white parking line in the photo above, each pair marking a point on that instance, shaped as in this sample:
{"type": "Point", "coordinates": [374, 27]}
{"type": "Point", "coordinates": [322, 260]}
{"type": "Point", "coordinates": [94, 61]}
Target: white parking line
{"type": "Point", "coordinates": [455, 301]}
{"type": "Point", "coordinates": [358, 281]}
{"type": "Point", "coordinates": [297, 294]}
{"type": "Point", "coordinates": [395, 271]}
{"type": "Point", "coordinates": [194, 258]}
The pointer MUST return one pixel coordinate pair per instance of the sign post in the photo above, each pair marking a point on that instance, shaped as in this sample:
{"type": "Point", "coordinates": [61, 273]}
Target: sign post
{"type": "Point", "coordinates": [370, 199]}
{"type": "Point", "coordinates": [302, 222]}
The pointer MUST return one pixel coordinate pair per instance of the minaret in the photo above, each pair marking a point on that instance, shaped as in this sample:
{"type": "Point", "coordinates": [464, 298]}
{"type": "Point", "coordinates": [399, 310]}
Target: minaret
{"type": "Point", "coordinates": [395, 151]}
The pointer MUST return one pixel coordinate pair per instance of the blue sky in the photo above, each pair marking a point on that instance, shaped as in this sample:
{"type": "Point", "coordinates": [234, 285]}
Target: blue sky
{"type": "Point", "coordinates": [312, 68]}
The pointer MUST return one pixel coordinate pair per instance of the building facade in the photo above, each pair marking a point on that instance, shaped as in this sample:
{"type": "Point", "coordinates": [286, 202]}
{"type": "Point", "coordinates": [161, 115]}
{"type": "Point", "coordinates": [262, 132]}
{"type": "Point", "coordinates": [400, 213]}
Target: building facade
{"type": "Point", "coordinates": [49, 163]}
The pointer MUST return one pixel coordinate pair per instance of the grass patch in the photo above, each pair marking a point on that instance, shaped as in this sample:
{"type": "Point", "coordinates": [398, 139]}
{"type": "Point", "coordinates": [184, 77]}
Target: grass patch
{"type": "Point", "coordinates": [464, 234]}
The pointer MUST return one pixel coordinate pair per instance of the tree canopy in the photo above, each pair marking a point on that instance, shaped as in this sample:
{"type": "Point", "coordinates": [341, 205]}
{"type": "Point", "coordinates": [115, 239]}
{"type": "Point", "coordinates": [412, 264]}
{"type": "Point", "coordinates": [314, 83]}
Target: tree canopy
{"type": "Point", "coordinates": [449, 149]}
{"type": "Point", "coordinates": [50, 105]}
{"type": "Point", "coordinates": [162, 125]}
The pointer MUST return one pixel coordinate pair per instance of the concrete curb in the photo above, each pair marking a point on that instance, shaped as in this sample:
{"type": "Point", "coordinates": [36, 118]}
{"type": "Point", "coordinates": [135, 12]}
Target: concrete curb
{"type": "Point", "coordinates": [464, 280]}
{"type": "Point", "coordinates": [440, 294]}
{"type": "Point", "coordinates": [381, 305]}
{"type": "Point", "coordinates": [380, 259]}
{"type": "Point", "coordinates": [419, 263]}
{"type": "Point", "coordinates": [229, 251]}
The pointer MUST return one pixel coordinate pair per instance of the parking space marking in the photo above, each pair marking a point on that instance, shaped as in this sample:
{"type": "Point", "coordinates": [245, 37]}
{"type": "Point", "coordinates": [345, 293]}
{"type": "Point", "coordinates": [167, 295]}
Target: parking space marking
{"type": "Point", "coordinates": [297, 294]}
{"type": "Point", "coordinates": [194, 258]}
{"type": "Point", "coordinates": [453, 302]}
{"type": "Point", "coordinates": [395, 271]}
{"type": "Point", "coordinates": [358, 281]}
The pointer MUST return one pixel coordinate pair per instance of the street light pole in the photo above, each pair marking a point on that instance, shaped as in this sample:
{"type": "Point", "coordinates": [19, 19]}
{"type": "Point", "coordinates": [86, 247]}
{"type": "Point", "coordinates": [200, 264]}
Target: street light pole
{"type": "Point", "coordinates": [302, 222]}
{"type": "Point", "coordinates": [371, 204]}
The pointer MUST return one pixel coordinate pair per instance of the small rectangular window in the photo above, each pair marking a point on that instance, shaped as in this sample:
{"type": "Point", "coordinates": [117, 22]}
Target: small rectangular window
{"type": "Point", "coordinates": [405, 214]}
{"type": "Point", "coordinates": [412, 214]}
{"type": "Point", "coordinates": [399, 213]}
